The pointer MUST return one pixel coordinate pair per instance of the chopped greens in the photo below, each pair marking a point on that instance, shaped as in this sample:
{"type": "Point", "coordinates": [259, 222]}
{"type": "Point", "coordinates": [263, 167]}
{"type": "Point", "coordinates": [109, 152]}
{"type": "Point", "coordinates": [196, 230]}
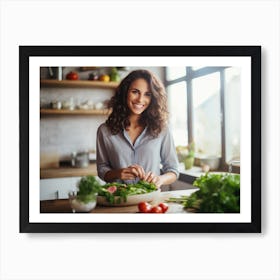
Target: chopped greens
{"type": "Point", "coordinates": [218, 193]}
{"type": "Point", "coordinates": [122, 191]}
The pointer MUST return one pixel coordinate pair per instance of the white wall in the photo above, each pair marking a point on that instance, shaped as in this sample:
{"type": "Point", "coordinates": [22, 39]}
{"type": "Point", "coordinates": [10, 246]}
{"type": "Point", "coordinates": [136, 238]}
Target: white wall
{"type": "Point", "coordinates": [139, 256]}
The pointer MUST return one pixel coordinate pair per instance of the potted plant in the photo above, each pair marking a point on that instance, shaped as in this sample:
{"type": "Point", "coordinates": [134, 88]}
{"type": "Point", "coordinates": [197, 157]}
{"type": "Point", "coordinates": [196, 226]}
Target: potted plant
{"type": "Point", "coordinates": [186, 154]}
{"type": "Point", "coordinates": [84, 199]}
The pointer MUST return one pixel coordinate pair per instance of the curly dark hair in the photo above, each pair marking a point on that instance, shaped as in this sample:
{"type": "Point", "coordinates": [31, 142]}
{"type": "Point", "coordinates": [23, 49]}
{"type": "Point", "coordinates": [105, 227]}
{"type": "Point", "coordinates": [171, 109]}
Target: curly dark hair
{"type": "Point", "coordinates": [154, 117]}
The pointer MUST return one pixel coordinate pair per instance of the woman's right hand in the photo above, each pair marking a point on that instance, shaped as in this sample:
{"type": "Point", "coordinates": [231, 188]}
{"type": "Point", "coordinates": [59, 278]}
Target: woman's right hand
{"type": "Point", "coordinates": [128, 173]}
{"type": "Point", "coordinates": [131, 172]}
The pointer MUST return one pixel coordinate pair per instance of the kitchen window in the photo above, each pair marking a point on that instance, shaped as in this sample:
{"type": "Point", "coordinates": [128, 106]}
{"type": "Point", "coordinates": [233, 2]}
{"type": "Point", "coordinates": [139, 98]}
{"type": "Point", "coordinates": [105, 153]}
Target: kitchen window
{"type": "Point", "coordinates": [204, 106]}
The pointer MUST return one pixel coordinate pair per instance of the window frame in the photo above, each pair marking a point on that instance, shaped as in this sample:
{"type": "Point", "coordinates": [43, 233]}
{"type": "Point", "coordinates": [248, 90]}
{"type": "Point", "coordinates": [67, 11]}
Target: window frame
{"type": "Point", "coordinates": [191, 74]}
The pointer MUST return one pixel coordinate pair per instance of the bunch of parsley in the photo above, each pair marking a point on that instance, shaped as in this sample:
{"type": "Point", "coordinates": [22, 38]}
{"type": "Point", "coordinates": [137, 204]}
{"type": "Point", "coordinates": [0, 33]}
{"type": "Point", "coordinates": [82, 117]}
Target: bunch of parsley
{"type": "Point", "coordinates": [88, 189]}
{"type": "Point", "coordinates": [218, 193]}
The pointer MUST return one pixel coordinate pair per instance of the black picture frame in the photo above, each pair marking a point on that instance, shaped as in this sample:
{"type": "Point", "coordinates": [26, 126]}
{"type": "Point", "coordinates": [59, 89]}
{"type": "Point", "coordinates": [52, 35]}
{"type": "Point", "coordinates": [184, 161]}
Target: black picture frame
{"type": "Point", "coordinates": [254, 52]}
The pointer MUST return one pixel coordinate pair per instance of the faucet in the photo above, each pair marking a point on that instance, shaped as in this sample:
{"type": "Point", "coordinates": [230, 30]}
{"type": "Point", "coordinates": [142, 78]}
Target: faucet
{"type": "Point", "coordinates": [231, 164]}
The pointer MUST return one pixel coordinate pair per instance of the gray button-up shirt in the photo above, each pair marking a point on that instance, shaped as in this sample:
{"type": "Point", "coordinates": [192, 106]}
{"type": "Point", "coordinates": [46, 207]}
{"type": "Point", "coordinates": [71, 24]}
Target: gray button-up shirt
{"type": "Point", "coordinates": [153, 154]}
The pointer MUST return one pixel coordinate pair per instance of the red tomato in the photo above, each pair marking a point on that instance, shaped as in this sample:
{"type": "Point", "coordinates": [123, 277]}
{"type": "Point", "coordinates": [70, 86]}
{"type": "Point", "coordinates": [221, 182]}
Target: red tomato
{"type": "Point", "coordinates": [156, 209]}
{"type": "Point", "coordinates": [163, 206]}
{"type": "Point", "coordinates": [144, 207]}
{"type": "Point", "coordinates": [72, 76]}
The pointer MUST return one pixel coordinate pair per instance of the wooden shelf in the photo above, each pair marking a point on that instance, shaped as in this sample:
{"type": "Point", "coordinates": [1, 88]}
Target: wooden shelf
{"type": "Point", "coordinates": [74, 112]}
{"type": "Point", "coordinates": [78, 83]}
{"type": "Point", "coordinates": [62, 172]}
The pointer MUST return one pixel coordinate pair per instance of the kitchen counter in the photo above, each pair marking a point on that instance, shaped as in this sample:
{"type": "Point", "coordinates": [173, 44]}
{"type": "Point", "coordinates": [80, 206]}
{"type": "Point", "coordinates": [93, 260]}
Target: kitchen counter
{"type": "Point", "coordinates": [63, 205]}
{"type": "Point", "coordinates": [61, 172]}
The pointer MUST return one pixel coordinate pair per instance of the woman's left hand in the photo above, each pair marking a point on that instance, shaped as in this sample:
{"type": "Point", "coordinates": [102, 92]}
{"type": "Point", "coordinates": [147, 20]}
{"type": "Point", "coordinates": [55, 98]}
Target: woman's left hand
{"type": "Point", "coordinates": [153, 178]}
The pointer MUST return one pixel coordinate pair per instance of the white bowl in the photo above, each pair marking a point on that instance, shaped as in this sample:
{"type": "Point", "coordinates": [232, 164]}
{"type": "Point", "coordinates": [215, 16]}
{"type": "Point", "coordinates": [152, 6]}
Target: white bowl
{"type": "Point", "coordinates": [79, 206]}
{"type": "Point", "coordinates": [131, 199]}
{"type": "Point", "coordinates": [212, 161]}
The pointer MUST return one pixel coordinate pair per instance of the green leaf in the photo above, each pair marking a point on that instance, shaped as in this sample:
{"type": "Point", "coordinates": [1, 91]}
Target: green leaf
{"type": "Point", "coordinates": [218, 193]}
{"type": "Point", "coordinates": [88, 189]}
{"type": "Point", "coordinates": [123, 190]}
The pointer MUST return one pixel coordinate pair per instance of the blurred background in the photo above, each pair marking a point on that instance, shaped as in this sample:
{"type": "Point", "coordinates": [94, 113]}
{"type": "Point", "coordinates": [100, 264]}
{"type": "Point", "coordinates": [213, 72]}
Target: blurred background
{"type": "Point", "coordinates": [203, 103]}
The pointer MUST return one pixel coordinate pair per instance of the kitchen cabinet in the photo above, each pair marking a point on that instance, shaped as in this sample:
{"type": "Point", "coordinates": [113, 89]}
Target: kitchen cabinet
{"type": "Point", "coordinates": [57, 188]}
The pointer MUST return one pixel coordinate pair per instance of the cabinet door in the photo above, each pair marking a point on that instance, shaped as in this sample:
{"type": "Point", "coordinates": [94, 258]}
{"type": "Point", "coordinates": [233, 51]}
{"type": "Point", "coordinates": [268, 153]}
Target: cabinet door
{"type": "Point", "coordinates": [57, 188]}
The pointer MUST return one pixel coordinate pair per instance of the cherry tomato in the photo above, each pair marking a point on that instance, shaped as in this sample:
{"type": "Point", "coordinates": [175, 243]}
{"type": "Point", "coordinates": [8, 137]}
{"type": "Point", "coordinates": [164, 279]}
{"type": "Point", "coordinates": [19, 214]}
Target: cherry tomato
{"type": "Point", "coordinates": [163, 206]}
{"type": "Point", "coordinates": [72, 76]}
{"type": "Point", "coordinates": [144, 207]}
{"type": "Point", "coordinates": [156, 209]}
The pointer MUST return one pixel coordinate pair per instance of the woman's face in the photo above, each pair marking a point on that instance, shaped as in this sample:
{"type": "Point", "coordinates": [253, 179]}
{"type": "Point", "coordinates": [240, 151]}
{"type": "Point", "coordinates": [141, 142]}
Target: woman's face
{"type": "Point", "coordinates": [139, 96]}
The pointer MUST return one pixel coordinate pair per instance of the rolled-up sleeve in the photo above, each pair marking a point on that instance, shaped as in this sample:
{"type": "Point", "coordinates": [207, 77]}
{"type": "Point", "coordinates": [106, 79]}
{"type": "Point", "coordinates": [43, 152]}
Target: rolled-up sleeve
{"type": "Point", "coordinates": [169, 159]}
{"type": "Point", "coordinates": [102, 158]}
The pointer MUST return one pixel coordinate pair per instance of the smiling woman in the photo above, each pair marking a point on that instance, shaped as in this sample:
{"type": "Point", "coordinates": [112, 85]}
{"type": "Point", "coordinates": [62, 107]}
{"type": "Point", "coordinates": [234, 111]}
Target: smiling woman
{"type": "Point", "coordinates": [138, 97]}
{"type": "Point", "coordinates": [135, 143]}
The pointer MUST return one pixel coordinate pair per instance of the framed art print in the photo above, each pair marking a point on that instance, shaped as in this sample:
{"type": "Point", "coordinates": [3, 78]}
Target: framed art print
{"type": "Point", "coordinates": [213, 97]}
